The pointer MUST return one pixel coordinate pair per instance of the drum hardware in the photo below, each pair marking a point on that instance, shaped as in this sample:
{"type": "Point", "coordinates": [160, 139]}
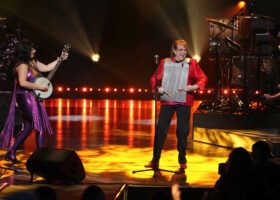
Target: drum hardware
{"type": "Point", "coordinates": [223, 47]}
{"type": "Point", "coordinates": [234, 38]}
{"type": "Point", "coordinates": [233, 45]}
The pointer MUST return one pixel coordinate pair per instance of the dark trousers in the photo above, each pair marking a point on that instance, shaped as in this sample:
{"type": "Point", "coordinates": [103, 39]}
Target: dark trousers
{"type": "Point", "coordinates": [182, 131]}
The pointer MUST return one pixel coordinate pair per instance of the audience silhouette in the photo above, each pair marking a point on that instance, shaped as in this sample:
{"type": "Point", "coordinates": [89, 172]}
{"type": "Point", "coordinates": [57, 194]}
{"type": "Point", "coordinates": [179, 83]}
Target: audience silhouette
{"type": "Point", "coordinates": [93, 192]}
{"type": "Point", "coordinates": [240, 180]}
{"type": "Point", "coordinates": [267, 168]}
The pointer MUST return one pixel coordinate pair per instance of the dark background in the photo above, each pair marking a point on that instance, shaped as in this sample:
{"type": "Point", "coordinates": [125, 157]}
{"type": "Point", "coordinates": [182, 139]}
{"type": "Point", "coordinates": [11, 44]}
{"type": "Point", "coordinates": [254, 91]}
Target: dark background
{"type": "Point", "coordinates": [126, 33]}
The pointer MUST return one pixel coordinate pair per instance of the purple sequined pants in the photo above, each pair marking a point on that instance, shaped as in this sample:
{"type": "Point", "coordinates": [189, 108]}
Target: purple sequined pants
{"type": "Point", "coordinates": [25, 106]}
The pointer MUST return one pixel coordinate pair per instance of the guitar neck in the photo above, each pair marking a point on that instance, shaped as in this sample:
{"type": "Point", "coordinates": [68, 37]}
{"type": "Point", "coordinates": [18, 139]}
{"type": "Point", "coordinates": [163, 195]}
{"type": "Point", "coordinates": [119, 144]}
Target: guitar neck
{"type": "Point", "coordinates": [49, 77]}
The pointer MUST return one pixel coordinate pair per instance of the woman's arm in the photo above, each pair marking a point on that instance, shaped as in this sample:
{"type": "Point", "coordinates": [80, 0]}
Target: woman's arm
{"type": "Point", "coordinates": [272, 97]}
{"type": "Point", "coordinates": [46, 68]}
{"type": "Point", "coordinates": [22, 71]}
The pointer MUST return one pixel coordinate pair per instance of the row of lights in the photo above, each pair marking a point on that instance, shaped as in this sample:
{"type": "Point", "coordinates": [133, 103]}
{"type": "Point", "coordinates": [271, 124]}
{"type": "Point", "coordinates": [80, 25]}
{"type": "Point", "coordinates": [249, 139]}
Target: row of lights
{"type": "Point", "coordinates": [106, 90]}
{"type": "Point", "coordinates": [139, 90]}
{"type": "Point", "coordinates": [224, 91]}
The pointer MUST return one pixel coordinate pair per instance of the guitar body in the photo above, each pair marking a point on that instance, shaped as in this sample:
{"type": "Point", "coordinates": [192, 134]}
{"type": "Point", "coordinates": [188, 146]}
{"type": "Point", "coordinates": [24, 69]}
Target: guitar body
{"type": "Point", "coordinates": [43, 94]}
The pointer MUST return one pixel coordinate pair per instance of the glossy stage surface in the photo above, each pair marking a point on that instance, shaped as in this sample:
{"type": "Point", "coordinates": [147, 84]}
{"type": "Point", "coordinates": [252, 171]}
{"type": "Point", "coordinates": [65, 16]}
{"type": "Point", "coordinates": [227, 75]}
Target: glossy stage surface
{"type": "Point", "coordinates": [114, 138]}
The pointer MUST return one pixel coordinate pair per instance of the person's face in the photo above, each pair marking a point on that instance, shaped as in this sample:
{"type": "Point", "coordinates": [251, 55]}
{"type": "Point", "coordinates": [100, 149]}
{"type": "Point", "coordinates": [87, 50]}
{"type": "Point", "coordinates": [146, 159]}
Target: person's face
{"type": "Point", "coordinates": [32, 53]}
{"type": "Point", "coordinates": [180, 52]}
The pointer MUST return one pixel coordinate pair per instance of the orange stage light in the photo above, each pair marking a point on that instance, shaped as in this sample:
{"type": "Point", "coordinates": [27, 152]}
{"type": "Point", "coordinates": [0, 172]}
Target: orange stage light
{"type": "Point", "coordinates": [257, 92]}
{"type": "Point", "coordinates": [90, 89]}
{"type": "Point", "coordinates": [60, 89]}
{"type": "Point", "coordinates": [84, 89]}
{"type": "Point", "coordinates": [241, 4]}
{"type": "Point", "coordinates": [68, 89]}
{"type": "Point", "coordinates": [139, 90]}
{"type": "Point", "coordinates": [123, 90]}
{"type": "Point", "coordinates": [98, 89]}
{"type": "Point", "coordinates": [201, 92]}
{"type": "Point", "coordinates": [146, 90]}
{"type": "Point", "coordinates": [209, 91]}
{"type": "Point", "coordinates": [107, 89]}
{"type": "Point", "coordinates": [225, 91]}
{"type": "Point", "coordinates": [76, 89]}
{"type": "Point", "coordinates": [115, 89]}
{"type": "Point", "coordinates": [131, 90]}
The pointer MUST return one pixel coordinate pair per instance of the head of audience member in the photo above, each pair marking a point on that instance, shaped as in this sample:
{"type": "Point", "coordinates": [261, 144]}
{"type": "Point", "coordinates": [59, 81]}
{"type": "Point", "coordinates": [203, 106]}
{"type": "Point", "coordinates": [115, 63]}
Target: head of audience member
{"type": "Point", "coordinates": [239, 162]}
{"type": "Point", "coordinates": [45, 193]}
{"type": "Point", "coordinates": [93, 192]}
{"type": "Point", "coordinates": [261, 151]}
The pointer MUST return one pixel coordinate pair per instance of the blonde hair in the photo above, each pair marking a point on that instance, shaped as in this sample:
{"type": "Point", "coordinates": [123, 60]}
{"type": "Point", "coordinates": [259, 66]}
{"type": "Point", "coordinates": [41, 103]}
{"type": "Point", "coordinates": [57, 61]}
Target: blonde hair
{"type": "Point", "coordinates": [175, 45]}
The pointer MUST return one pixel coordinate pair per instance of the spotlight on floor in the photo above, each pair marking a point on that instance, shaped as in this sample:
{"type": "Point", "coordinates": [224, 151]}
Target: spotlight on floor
{"type": "Point", "coordinates": [95, 57]}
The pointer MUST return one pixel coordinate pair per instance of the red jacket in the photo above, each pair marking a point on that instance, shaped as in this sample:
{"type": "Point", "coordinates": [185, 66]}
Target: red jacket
{"type": "Point", "coordinates": [195, 75]}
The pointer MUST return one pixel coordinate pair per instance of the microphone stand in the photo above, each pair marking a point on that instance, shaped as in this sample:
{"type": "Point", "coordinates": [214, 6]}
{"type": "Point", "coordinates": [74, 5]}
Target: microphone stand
{"type": "Point", "coordinates": [155, 167]}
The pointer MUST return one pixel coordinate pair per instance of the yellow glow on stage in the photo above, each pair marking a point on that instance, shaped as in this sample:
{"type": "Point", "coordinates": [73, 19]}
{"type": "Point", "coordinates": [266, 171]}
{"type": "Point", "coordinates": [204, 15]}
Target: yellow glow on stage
{"type": "Point", "coordinates": [201, 169]}
{"type": "Point", "coordinates": [229, 137]}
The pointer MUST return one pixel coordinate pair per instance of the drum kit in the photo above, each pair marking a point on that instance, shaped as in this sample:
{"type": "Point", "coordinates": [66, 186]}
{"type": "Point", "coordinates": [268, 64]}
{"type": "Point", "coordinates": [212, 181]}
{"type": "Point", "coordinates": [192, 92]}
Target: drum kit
{"type": "Point", "coordinates": [8, 44]}
{"type": "Point", "coordinates": [242, 48]}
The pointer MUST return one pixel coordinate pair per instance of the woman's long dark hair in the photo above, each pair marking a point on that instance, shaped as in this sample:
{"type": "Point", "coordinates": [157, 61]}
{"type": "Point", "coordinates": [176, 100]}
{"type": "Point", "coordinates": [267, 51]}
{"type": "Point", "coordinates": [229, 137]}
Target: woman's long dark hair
{"type": "Point", "coordinates": [24, 48]}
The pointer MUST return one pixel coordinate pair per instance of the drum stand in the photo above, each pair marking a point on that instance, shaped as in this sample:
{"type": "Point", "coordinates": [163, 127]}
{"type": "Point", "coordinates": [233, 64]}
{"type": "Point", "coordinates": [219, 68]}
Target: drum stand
{"type": "Point", "coordinates": [155, 167]}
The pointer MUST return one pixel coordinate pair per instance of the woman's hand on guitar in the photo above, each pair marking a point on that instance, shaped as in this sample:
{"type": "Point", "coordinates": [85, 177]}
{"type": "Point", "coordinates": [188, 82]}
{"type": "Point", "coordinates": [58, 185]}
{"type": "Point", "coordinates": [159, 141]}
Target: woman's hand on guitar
{"type": "Point", "coordinates": [44, 87]}
{"type": "Point", "coordinates": [64, 55]}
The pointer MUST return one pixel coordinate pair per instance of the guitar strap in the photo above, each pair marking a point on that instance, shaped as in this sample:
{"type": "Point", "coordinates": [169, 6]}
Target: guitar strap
{"type": "Point", "coordinates": [33, 67]}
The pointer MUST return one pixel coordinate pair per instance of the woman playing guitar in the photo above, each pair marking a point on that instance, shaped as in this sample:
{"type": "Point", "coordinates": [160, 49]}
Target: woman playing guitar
{"type": "Point", "coordinates": [34, 115]}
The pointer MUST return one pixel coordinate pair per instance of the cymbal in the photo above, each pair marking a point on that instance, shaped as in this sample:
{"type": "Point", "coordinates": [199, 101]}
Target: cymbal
{"type": "Point", "coordinates": [220, 23]}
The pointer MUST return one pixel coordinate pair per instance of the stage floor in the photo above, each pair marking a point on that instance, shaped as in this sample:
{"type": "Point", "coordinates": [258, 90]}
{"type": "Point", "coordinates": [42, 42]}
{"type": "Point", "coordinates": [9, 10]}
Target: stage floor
{"type": "Point", "coordinates": [114, 138]}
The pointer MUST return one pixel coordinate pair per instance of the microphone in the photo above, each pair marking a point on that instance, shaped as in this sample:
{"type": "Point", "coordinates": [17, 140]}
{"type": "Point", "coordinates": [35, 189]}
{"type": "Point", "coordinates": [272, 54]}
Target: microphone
{"type": "Point", "coordinates": [156, 59]}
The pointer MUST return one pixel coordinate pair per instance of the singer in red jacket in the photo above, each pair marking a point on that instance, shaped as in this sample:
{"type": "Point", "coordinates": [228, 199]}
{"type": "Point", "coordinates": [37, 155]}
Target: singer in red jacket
{"type": "Point", "coordinates": [177, 78]}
